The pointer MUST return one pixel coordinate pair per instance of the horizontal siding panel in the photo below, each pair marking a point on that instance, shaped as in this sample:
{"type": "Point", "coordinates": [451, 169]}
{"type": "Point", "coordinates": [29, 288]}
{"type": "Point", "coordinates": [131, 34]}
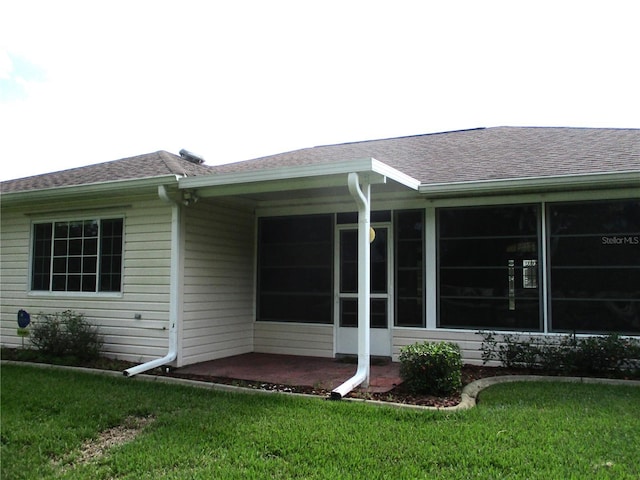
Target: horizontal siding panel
{"type": "Point", "coordinates": [203, 353]}
{"type": "Point", "coordinates": [294, 339]}
{"type": "Point", "coordinates": [290, 350]}
{"type": "Point", "coordinates": [222, 338]}
{"type": "Point", "coordinates": [230, 318]}
{"type": "Point", "coordinates": [469, 342]}
{"type": "Point", "coordinates": [145, 283]}
{"type": "Point", "coordinates": [218, 293]}
{"type": "Point", "coordinates": [129, 289]}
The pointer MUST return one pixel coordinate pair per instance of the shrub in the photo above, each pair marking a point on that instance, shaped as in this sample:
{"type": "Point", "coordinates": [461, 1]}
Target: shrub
{"type": "Point", "coordinates": [66, 334]}
{"type": "Point", "coordinates": [605, 354]}
{"type": "Point", "coordinates": [431, 368]}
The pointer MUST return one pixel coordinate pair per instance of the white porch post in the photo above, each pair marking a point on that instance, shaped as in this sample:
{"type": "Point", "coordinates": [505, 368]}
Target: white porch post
{"type": "Point", "coordinates": [362, 197]}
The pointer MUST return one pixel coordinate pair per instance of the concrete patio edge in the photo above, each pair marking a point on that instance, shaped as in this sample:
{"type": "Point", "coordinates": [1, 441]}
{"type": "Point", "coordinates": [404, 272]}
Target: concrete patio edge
{"type": "Point", "coordinates": [468, 400]}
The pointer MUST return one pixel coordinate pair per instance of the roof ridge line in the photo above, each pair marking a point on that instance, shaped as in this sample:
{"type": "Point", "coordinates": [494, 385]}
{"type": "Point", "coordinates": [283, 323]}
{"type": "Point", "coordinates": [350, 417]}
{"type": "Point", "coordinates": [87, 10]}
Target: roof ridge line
{"type": "Point", "coordinates": [400, 137]}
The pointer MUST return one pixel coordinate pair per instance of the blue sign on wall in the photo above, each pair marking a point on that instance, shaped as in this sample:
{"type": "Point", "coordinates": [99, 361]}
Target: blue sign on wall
{"type": "Point", "coordinates": [23, 318]}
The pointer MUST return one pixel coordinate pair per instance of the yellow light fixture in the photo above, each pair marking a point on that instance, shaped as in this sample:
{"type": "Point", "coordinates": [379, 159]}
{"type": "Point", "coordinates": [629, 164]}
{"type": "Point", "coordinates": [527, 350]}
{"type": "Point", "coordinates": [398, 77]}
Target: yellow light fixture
{"type": "Point", "coordinates": [372, 234]}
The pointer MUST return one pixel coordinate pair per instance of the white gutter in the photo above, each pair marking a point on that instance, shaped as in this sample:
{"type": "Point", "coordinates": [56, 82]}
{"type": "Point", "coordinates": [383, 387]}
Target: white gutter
{"type": "Point", "coordinates": [532, 184]}
{"type": "Point", "coordinates": [172, 354]}
{"type": "Point", "coordinates": [363, 201]}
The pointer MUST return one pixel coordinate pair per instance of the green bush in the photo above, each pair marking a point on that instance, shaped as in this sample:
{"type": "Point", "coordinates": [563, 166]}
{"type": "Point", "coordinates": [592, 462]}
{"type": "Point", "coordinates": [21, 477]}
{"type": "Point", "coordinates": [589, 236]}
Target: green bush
{"type": "Point", "coordinates": [66, 334]}
{"type": "Point", "coordinates": [610, 355]}
{"type": "Point", "coordinates": [431, 368]}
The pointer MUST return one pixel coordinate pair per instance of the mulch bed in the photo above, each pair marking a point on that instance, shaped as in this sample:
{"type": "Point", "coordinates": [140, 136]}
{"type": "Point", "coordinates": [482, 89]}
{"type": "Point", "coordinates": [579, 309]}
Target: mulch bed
{"type": "Point", "coordinates": [399, 394]}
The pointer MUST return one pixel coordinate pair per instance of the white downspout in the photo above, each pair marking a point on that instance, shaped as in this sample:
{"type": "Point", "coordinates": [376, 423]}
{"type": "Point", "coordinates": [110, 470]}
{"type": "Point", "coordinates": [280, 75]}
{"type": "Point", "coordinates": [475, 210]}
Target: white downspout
{"type": "Point", "coordinates": [172, 354]}
{"type": "Point", "coordinates": [363, 201]}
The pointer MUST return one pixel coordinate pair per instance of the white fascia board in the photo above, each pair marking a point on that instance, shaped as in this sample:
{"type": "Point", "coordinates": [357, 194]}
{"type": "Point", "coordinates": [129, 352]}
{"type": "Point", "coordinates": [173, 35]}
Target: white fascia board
{"type": "Point", "coordinates": [394, 174]}
{"type": "Point", "coordinates": [533, 184]}
{"type": "Point", "coordinates": [303, 176]}
{"type": "Point", "coordinates": [81, 190]}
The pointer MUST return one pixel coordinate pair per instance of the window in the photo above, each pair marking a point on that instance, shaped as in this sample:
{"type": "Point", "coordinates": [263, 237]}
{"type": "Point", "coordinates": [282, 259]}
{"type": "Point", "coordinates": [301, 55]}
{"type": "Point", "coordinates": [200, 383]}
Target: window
{"type": "Point", "coordinates": [489, 267]}
{"type": "Point", "coordinates": [78, 256]}
{"type": "Point", "coordinates": [594, 263]}
{"type": "Point", "coordinates": [409, 263]}
{"type": "Point", "coordinates": [295, 269]}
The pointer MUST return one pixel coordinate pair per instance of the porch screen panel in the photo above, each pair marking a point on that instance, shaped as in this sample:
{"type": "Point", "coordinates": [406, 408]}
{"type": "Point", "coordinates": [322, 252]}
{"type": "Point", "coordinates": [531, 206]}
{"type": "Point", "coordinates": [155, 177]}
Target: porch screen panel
{"type": "Point", "coordinates": [295, 269]}
{"type": "Point", "coordinates": [409, 262]}
{"type": "Point", "coordinates": [488, 272]}
{"type": "Point", "coordinates": [594, 263]}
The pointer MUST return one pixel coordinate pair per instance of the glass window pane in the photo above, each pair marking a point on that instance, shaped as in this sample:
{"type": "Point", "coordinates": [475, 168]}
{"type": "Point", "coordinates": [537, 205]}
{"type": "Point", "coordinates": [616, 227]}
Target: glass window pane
{"type": "Point", "coordinates": [60, 265]}
{"type": "Point", "coordinates": [59, 283]}
{"type": "Point", "coordinates": [91, 228]}
{"type": "Point", "coordinates": [74, 283]}
{"type": "Point", "coordinates": [110, 263]}
{"type": "Point", "coordinates": [74, 264]}
{"type": "Point", "coordinates": [41, 264]}
{"type": "Point", "coordinates": [60, 247]}
{"type": "Point", "coordinates": [76, 229]}
{"type": "Point", "coordinates": [90, 246]}
{"type": "Point", "coordinates": [62, 230]}
{"type": "Point", "coordinates": [75, 247]}
{"type": "Point", "coordinates": [88, 283]}
{"type": "Point", "coordinates": [89, 265]}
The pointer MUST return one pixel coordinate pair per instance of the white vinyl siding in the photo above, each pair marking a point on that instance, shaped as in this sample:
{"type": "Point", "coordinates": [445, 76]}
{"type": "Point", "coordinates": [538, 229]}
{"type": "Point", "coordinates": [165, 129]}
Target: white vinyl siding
{"type": "Point", "coordinates": [294, 339]}
{"type": "Point", "coordinates": [218, 294]}
{"type": "Point", "coordinates": [145, 284]}
{"type": "Point", "coordinates": [469, 342]}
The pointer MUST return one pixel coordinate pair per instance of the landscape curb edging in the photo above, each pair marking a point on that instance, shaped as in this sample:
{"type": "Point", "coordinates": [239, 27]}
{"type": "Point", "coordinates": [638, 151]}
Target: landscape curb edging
{"type": "Point", "coordinates": [468, 400]}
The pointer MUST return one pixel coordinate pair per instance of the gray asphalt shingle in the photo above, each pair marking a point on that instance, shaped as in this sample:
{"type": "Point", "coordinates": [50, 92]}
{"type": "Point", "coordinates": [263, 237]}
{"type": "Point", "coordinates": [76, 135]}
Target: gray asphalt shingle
{"type": "Point", "coordinates": [466, 155]}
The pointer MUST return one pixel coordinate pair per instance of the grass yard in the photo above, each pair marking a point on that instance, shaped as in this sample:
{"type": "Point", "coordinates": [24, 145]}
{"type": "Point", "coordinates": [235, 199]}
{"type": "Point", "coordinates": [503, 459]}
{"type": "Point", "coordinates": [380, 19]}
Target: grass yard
{"type": "Point", "coordinates": [60, 424]}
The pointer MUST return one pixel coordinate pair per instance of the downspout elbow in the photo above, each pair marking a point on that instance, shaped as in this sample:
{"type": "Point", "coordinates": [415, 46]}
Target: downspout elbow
{"type": "Point", "coordinates": [144, 367]}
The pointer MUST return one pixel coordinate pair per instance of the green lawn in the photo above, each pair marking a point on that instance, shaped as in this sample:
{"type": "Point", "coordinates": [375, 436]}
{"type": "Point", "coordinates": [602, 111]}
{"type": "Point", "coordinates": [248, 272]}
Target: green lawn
{"type": "Point", "coordinates": [519, 430]}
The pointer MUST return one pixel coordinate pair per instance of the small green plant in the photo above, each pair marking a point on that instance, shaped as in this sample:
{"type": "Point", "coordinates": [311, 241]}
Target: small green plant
{"type": "Point", "coordinates": [66, 334]}
{"type": "Point", "coordinates": [431, 368]}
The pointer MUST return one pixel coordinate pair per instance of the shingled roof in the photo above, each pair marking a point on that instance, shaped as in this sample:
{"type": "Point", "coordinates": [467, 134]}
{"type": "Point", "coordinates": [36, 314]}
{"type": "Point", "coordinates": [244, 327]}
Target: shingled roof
{"type": "Point", "coordinates": [156, 164]}
{"type": "Point", "coordinates": [460, 156]}
{"type": "Point", "coordinates": [479, 154]}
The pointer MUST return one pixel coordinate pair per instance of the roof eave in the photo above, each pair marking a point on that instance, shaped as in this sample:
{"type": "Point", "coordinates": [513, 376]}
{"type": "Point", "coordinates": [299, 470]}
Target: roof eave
{"type": "Point", "coordinates": [590, 181]}
{"type": "Point", "coordinates": [56, 193]}
{"type": "Point", "coordinates": [296, 177]}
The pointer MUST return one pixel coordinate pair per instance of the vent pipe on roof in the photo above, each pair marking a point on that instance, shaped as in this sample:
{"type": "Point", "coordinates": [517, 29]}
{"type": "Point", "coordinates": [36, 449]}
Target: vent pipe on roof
{"type": "Point", "coordinates": [191, 157]}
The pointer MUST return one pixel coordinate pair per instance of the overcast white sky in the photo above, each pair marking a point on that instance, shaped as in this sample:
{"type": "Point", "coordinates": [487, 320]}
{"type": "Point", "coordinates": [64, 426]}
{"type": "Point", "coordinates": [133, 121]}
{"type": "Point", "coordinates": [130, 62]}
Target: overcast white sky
{"type": "Point", "coordinates": [84, 82]}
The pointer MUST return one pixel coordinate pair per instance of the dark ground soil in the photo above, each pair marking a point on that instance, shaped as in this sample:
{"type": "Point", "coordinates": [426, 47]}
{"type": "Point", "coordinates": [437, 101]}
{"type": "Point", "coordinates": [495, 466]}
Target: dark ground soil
{"type": "Point", "coordinates": [399, 394]}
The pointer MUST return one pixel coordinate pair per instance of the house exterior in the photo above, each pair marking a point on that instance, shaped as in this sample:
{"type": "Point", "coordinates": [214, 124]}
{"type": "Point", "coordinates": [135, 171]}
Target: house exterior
{"type": "Point", "coordinates": [512, 229]}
